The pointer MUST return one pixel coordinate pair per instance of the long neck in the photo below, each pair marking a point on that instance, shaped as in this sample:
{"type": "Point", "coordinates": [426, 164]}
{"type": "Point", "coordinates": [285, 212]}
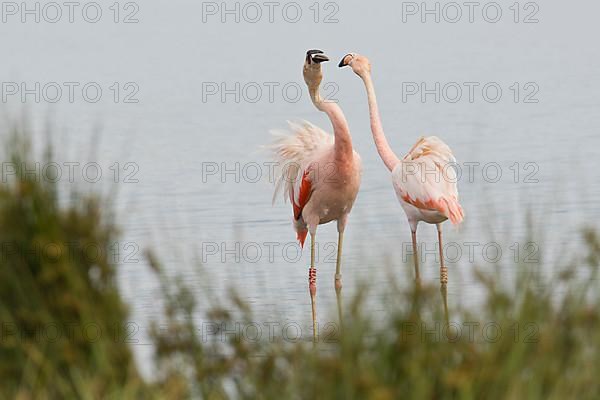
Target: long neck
{"type": "Point", "coordinates": [383, 148]}
{"type": "Point", "coordinates": [343, 141]}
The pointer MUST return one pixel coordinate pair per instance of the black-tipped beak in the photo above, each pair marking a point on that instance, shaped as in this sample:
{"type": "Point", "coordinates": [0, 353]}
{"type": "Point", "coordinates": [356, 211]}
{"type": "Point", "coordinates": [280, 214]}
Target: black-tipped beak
{"type": "Point", "coordinates": [311, 52]}
{"type": "Point", "coordinates": [319, 58]}
{"type": "Point", "coordinates": [316, 56]}
{"type": "Point", "coordinates": [343, 61]}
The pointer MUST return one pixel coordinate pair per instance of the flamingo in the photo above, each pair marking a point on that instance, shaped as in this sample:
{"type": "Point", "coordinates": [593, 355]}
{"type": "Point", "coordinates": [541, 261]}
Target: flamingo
{"type": "Point", "coordinates": [319, 173]}
{"type": "Point", "coordinates": [425, 186]}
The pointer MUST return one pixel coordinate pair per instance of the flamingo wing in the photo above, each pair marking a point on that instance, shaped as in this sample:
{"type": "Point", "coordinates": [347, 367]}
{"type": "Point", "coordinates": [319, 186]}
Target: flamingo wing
{"type": "Point", "coordinates": [294, 154]}
{"type": "Point", "coordinates": [426, 178]}
{"type": "Point", "coordinates": [301, 194]}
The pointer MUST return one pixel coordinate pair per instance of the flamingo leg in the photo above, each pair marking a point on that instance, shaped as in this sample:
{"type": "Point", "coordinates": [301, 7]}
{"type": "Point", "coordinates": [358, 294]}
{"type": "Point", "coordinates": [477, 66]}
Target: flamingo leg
{"type": "Point", "coordinates": [312, 286]}
{"type": "Point", "coordinates": [338, 276]}
{"type": "Point", "coordinates": [443, 273]}
{"type": "Point", "coordinates": [415, 256]}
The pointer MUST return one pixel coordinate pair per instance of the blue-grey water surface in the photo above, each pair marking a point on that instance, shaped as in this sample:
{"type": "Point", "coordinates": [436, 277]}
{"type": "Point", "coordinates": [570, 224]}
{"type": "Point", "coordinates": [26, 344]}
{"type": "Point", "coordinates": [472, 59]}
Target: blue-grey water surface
{"type": "Point", "coordinates": [170, 143]}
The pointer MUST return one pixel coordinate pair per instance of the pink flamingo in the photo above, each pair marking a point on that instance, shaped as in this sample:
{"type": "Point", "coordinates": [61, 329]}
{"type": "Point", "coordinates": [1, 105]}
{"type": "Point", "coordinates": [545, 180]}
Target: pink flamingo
{"type": "Point", "coordinates": [320, 174]}
{"type": "Point", "coordinates": [425, 186]}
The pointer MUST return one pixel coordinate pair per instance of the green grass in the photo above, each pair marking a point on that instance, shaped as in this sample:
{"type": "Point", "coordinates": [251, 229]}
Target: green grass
{"type": "Point", "coordinates": [59, 300]}
{"type": "Point", "coordinates": [549, 347]}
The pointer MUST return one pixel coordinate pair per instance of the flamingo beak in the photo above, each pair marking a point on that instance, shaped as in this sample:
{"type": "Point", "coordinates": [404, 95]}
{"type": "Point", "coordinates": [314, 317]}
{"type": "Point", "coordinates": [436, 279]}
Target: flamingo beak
{"type": "Point", "coordinates": [319, 58]}
{"type": "Point", "coordinates": [315, 56]}
{"type": "Point", "coordinates": [343, 61]}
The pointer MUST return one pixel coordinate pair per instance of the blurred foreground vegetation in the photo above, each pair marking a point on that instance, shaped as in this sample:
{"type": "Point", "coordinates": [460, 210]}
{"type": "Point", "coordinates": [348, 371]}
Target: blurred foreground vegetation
{"type": "Point", "coordinates": [548, 346]}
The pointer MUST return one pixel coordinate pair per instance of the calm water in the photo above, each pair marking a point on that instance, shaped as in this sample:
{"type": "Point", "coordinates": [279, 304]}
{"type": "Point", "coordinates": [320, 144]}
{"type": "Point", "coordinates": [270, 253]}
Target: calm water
{"type": "Point", "coordinates": [169, 143]}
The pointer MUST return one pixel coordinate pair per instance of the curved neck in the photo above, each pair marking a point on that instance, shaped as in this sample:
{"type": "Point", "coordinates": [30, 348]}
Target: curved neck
{"type": "Point", "coordinates": [343, 141]}
{"type": "Point", "coordinates": [383, 148]}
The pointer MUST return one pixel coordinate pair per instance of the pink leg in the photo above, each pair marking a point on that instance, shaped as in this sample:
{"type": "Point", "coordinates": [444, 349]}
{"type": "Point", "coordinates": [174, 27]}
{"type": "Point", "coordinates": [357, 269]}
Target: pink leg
{"type": "Point", "coordinates": [416, 257]}
{"type": "Point", "coordinates": [338, 276]}
{"type": "Point", "coordinates": [312, 286]}
{"type": "Point", "coordinates": [443, 273]}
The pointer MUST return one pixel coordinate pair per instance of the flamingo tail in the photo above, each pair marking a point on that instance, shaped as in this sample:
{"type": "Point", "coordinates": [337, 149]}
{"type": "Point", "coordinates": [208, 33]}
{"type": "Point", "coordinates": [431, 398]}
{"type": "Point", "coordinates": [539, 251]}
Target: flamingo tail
{"type": "Point", "coordinates": [301, 236]}
{"type": "Point", "coordinates": [453, 210]}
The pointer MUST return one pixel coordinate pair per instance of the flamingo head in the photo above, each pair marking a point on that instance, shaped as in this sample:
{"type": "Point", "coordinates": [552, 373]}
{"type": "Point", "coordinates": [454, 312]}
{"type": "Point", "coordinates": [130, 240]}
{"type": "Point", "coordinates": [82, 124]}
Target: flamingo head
{"type": "Point", "coordinates": [312, 67]}
{"type": "Point", "coordinates": [359, 64]}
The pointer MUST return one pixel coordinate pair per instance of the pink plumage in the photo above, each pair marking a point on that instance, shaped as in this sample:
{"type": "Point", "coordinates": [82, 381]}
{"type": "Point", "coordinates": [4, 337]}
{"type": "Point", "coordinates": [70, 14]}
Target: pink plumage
{"type": "Point", "coordinates": [425, 180]}
{"type": "Point", "coordinates": [319, 173]}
